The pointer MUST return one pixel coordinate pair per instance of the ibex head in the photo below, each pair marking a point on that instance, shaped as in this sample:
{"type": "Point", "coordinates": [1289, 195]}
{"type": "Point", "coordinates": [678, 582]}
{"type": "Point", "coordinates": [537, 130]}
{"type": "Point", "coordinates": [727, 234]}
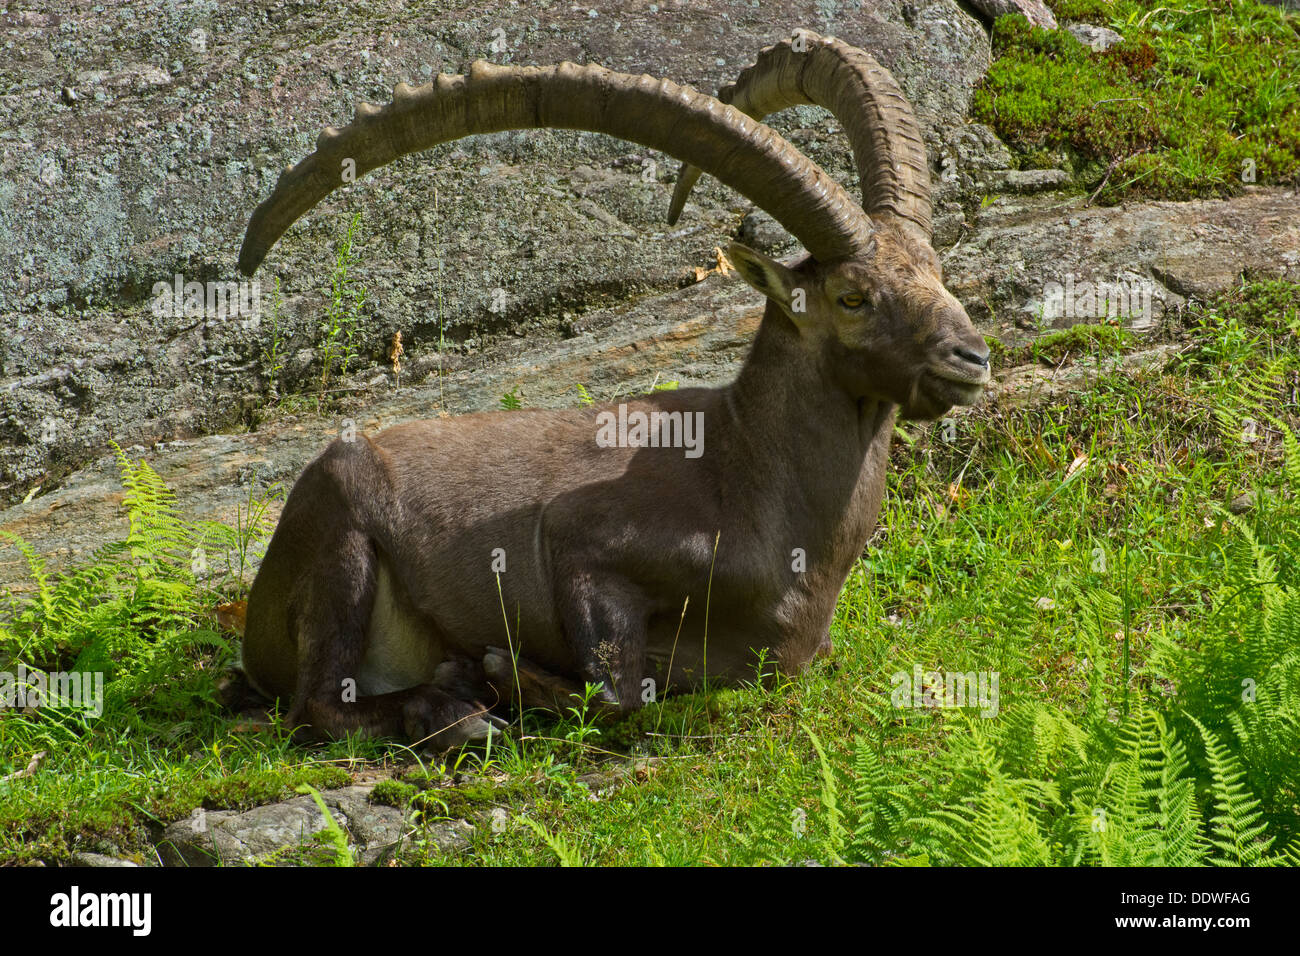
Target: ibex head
{"type": "Point", "coordinates": [879, 316]}
{"type": "Point", "coordinates": [881, 323]}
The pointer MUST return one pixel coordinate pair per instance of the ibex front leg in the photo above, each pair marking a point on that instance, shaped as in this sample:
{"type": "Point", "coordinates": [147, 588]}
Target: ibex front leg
{"type": "Point", "coordinates": [605, 620]}
{"type": "Point", "coordinates": [605, 625]}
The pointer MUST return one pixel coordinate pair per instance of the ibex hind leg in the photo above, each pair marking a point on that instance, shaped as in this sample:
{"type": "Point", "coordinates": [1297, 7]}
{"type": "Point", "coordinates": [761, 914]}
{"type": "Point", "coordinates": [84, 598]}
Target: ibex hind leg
{"type": "Point", "coordinates": [331, 624]}
{"type": "Point", "coordinates": [465, 679]}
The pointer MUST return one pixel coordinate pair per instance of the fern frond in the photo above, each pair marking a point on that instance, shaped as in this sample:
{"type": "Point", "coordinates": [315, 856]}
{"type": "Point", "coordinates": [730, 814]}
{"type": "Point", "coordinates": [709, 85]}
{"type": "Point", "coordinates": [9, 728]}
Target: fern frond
{"type": "Point", "coordinates": [565, 853]}
{"type": "Point", "coordinates": [830, 803]}
{"type": "Point", "coordinates": [1238, 827]}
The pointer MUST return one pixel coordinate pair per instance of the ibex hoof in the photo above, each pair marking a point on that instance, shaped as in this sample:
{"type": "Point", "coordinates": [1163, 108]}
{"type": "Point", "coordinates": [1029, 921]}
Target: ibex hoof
{"type": "Point", "coordinates": [440, 723]}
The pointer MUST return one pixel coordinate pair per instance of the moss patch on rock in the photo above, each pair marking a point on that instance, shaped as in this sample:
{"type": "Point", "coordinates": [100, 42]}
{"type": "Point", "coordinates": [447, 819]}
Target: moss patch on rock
{"type": "Point", "coordinates": [392, 793]}
{"type": "Point", "coordinates": [1197, 100]}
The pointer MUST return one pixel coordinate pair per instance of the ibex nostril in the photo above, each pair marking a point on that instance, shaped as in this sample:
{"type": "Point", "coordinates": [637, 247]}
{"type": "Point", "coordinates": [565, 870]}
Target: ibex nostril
{"type": "Point", "coordinates": [975, 358]}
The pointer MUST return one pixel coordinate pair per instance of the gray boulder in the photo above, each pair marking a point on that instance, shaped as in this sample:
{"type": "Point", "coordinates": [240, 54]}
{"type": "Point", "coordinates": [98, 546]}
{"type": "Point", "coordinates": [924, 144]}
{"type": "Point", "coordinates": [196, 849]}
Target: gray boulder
{"type": "Point", "coordinates": [271, 833]}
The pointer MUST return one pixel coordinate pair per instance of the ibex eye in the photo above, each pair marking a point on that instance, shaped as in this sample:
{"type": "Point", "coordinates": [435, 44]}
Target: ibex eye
{"type": "Point", "coordinates": [852, 300]}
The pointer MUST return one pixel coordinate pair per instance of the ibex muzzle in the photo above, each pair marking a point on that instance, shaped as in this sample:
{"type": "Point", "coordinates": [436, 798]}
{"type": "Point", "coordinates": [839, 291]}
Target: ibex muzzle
{"type": "Point", "coordinates": [626, 563]}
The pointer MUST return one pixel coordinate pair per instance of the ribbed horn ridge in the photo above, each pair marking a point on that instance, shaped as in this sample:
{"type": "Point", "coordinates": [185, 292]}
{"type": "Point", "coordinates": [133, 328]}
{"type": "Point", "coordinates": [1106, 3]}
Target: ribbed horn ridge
{"type": "Point", "coordinates": [691, 126]}
{"type": "Point", "coordinates": [887, 143]}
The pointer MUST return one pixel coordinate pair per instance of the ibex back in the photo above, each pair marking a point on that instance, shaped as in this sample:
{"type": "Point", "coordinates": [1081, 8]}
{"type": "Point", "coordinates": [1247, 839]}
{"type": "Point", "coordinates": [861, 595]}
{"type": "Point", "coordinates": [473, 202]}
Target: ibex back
{"type": "Point", "coordinates": [443, 565]}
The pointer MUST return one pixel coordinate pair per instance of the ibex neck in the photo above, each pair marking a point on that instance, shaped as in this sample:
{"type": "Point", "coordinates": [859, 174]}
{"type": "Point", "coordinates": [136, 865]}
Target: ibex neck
{"type": "Point", "coordinates": [811, 456]}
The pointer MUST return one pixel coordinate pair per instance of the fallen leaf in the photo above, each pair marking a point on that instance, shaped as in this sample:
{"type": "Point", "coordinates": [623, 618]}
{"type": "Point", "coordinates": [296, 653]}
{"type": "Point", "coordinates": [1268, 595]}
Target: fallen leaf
{"type": "Point", "coordinates": [231, 616]}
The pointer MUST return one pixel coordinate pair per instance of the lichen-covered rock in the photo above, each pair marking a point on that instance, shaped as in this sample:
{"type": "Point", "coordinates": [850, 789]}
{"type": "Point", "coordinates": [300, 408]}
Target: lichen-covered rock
{"type": "Point", "coordinates": [1096, 38]}
{"type": "Point", "coordinates": [1032, 180]}
{"type": "Point", "coordinates": [1035, 11]}
{"type": "Point", "coordinates": [1024, 246]}
{"type": "Point", "coordinates": [270, 833]}
{"type": "Point", "coordinates": [100, 860]}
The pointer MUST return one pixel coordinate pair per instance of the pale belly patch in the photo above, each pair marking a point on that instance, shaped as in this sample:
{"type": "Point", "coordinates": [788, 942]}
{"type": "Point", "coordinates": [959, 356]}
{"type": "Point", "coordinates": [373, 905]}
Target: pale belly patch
{"type": "Point", "coordinates": [402, 648]}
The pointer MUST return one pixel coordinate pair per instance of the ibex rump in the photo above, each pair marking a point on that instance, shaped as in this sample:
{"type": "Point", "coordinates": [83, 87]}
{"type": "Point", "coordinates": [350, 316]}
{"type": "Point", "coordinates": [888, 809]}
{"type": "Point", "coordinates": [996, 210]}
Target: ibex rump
{"type": "Point", "coordinates": [384, 566]}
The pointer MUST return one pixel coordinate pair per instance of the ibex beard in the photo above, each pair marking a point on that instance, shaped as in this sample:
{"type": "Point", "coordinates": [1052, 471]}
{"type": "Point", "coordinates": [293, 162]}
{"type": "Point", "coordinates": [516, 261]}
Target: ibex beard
{"type": "Point", "coordinates": [423, 575]}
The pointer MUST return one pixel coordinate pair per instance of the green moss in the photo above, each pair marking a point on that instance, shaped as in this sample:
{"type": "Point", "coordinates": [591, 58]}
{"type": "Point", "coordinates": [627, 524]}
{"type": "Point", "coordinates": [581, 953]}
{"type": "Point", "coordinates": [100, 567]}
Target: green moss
{"type": "Point", "coordinates": [1065, 345]}
{"type": "Point", "coordinates": [1082, 340]}
{"type": "Point", "coordinates": [1270, 304]}
{"type": "Point", "coordinates": [108, 806]}
{"type": "Point", "coordinates": [243, 789]}
{"type": "Point", "coordinates": [1095, 11]}
{"type": "Point", "coordinates": [1198, 99]}
{"type": "Point", "coordinates": [392, 793]}
{"type": "Point", "coordinates": [467, 800]}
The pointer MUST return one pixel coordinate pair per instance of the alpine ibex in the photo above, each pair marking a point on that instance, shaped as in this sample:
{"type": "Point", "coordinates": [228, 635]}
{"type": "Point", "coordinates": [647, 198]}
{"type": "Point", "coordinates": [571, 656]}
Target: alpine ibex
{"type": "Point", "coordinates": [384, 571]}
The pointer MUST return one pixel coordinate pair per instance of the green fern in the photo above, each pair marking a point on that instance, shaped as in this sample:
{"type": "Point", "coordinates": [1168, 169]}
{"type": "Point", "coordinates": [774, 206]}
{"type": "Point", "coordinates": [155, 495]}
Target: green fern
{"type": "Point", "coordinates": [998, 820]}
{"type": "Point", "coordinates": [1144, 811]}
{"type": "Point", "coordinates": [779, 828]}
{"type": "Point", "coordinates": [566, 854]}
{"type": "Point", "coordinates": [1238, 827]}
{"type": "Point", "coordinates": [835, 838]}
{"type": "Point", "coordinates": [881, 803]}
{"type": "Point", "coordinates": [1030, 788]}
{"type": "Point", "coordinates": [135, 613]}
{"type": "Point", "coordinates": [336, 840]}
{"type": "Point", "coordinates": [1239, 678]}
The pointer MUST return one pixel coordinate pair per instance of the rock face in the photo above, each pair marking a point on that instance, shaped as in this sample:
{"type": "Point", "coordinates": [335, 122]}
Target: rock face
{"type": "Point", "coordinates": [214, 837]}
{"type": "Point", "coordinates": [139, 137]}
{"type": "Point", "coordinates": [1021, 247]}
{"type": "Point", "coordinates": [1035, 11]}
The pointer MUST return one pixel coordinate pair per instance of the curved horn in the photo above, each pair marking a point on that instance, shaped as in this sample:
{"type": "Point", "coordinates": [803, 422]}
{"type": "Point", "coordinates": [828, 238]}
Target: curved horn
{"type": "Point", "coordinates": [887, 143]}
{"type": "Point", "coordinates": [686, 124]}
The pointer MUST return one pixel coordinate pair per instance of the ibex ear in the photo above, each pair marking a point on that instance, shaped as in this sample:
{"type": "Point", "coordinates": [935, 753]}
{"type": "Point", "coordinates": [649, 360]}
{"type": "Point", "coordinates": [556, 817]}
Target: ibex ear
{"type": "Point", "coordinates": [766, 275]}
